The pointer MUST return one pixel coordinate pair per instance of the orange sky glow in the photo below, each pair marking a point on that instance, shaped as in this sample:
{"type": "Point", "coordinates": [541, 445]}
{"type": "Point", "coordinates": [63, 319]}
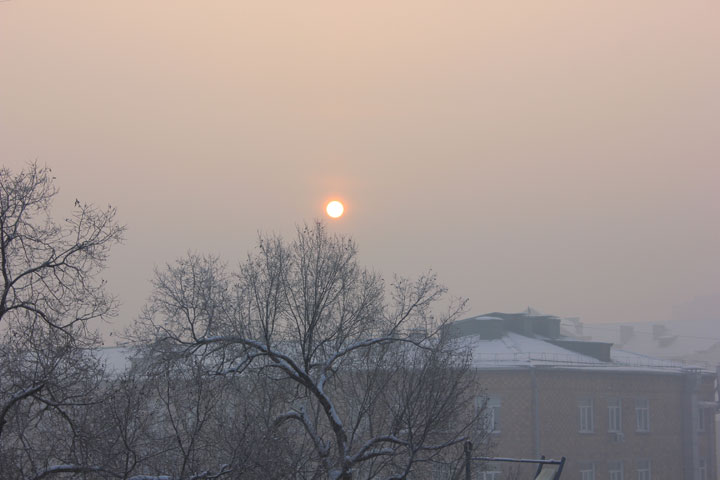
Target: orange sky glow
{"type": "Point", "coordinates": [563, 155]}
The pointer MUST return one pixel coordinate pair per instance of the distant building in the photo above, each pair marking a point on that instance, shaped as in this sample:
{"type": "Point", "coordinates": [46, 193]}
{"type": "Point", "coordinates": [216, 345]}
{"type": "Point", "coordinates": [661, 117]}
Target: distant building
{"type": "Point", "coordinates": [693, 342]}
{"type": "Point", "coordinates": [615, 415]}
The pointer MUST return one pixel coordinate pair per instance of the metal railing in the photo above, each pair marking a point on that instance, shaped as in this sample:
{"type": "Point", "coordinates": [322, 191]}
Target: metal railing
{"type": "Point", "coordinates": [540, 462]}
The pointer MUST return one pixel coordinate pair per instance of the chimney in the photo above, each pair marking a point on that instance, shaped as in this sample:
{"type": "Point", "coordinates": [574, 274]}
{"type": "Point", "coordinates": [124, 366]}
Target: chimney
{"type": "Point", "coordinates": [627, 332]}
{"type": "Point", "coordinates": [659, 330]}
{"type": "Point", "coordinates": [576, 324]}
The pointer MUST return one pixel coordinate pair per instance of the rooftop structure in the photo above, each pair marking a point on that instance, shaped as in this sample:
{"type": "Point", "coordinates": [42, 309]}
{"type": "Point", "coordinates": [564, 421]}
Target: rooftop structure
{"type": "Point", "coordinates": [501, 340]}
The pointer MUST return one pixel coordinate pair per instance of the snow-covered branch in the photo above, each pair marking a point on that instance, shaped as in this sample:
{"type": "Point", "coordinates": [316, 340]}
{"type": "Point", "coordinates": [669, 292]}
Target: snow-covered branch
{"type": "Point", "coordinates": [367, 451]}
{"type": "Point", "coordinates": [17, 397]}
{"type": "Point", "coordinates": [69, 468]}
{"type": "Point", "coordinates": [322, 448]}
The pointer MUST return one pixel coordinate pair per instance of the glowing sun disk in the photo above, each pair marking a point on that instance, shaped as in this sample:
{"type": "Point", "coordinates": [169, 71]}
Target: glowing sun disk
{"type": "Point", "coordinates": [334, 209]}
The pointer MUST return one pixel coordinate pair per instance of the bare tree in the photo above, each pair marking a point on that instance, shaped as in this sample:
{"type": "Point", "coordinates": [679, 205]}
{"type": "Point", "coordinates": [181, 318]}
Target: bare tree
{"type": "Point", "coordinates": [368, 385]}
{"type": "Point", "coordinates": [49, 291]}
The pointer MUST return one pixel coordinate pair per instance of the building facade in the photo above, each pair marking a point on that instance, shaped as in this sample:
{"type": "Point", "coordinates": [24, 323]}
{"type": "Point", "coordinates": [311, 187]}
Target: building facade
{"type": "Point", "coordinates": [614, 415]}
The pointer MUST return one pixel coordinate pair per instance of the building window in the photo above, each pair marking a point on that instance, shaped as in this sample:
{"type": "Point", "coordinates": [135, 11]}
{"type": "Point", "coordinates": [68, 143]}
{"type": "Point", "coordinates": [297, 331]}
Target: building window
{"type": "Point", "coordinates": [614, 415]}
{"type": "Point", "coordinates": [587, 425]}
{"type": "Point", "coordinates": [643, 470]}
{"type": "Point", "coordinates": [702, 469]}
{"type": "Point", "coordinates": [700, 419]}
{"type": "Point", "coordinates": [615, 471]}
{"type": "Point", "coordinates": [642, 415]}
{"type": "Point", "coordinates": [587, 471]}
{"type": "Point", "coordinates": [491, 413]}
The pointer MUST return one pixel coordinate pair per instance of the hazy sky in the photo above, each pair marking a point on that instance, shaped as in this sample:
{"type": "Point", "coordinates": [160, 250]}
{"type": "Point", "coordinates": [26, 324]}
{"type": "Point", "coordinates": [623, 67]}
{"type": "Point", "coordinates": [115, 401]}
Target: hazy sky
{"type": "Point", "coordinates": [558, 154]}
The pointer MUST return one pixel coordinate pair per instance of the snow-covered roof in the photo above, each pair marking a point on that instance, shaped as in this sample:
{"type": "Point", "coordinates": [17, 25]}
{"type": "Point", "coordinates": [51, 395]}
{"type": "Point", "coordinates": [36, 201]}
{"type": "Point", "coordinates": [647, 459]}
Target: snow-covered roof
{"type": "Point", "coordinates": [530, 339]}
{"type": "Point", "coordinates": [514, 350]}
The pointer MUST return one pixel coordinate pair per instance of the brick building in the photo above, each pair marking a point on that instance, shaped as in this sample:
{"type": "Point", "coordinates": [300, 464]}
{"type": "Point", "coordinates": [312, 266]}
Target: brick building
{"type": "Point", "coordinates": [615, 415]}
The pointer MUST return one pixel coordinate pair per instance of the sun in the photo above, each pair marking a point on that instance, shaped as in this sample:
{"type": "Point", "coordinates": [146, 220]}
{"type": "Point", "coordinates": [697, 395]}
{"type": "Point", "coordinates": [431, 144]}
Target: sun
{"type": "Point", "coordinates": [335, 209]}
